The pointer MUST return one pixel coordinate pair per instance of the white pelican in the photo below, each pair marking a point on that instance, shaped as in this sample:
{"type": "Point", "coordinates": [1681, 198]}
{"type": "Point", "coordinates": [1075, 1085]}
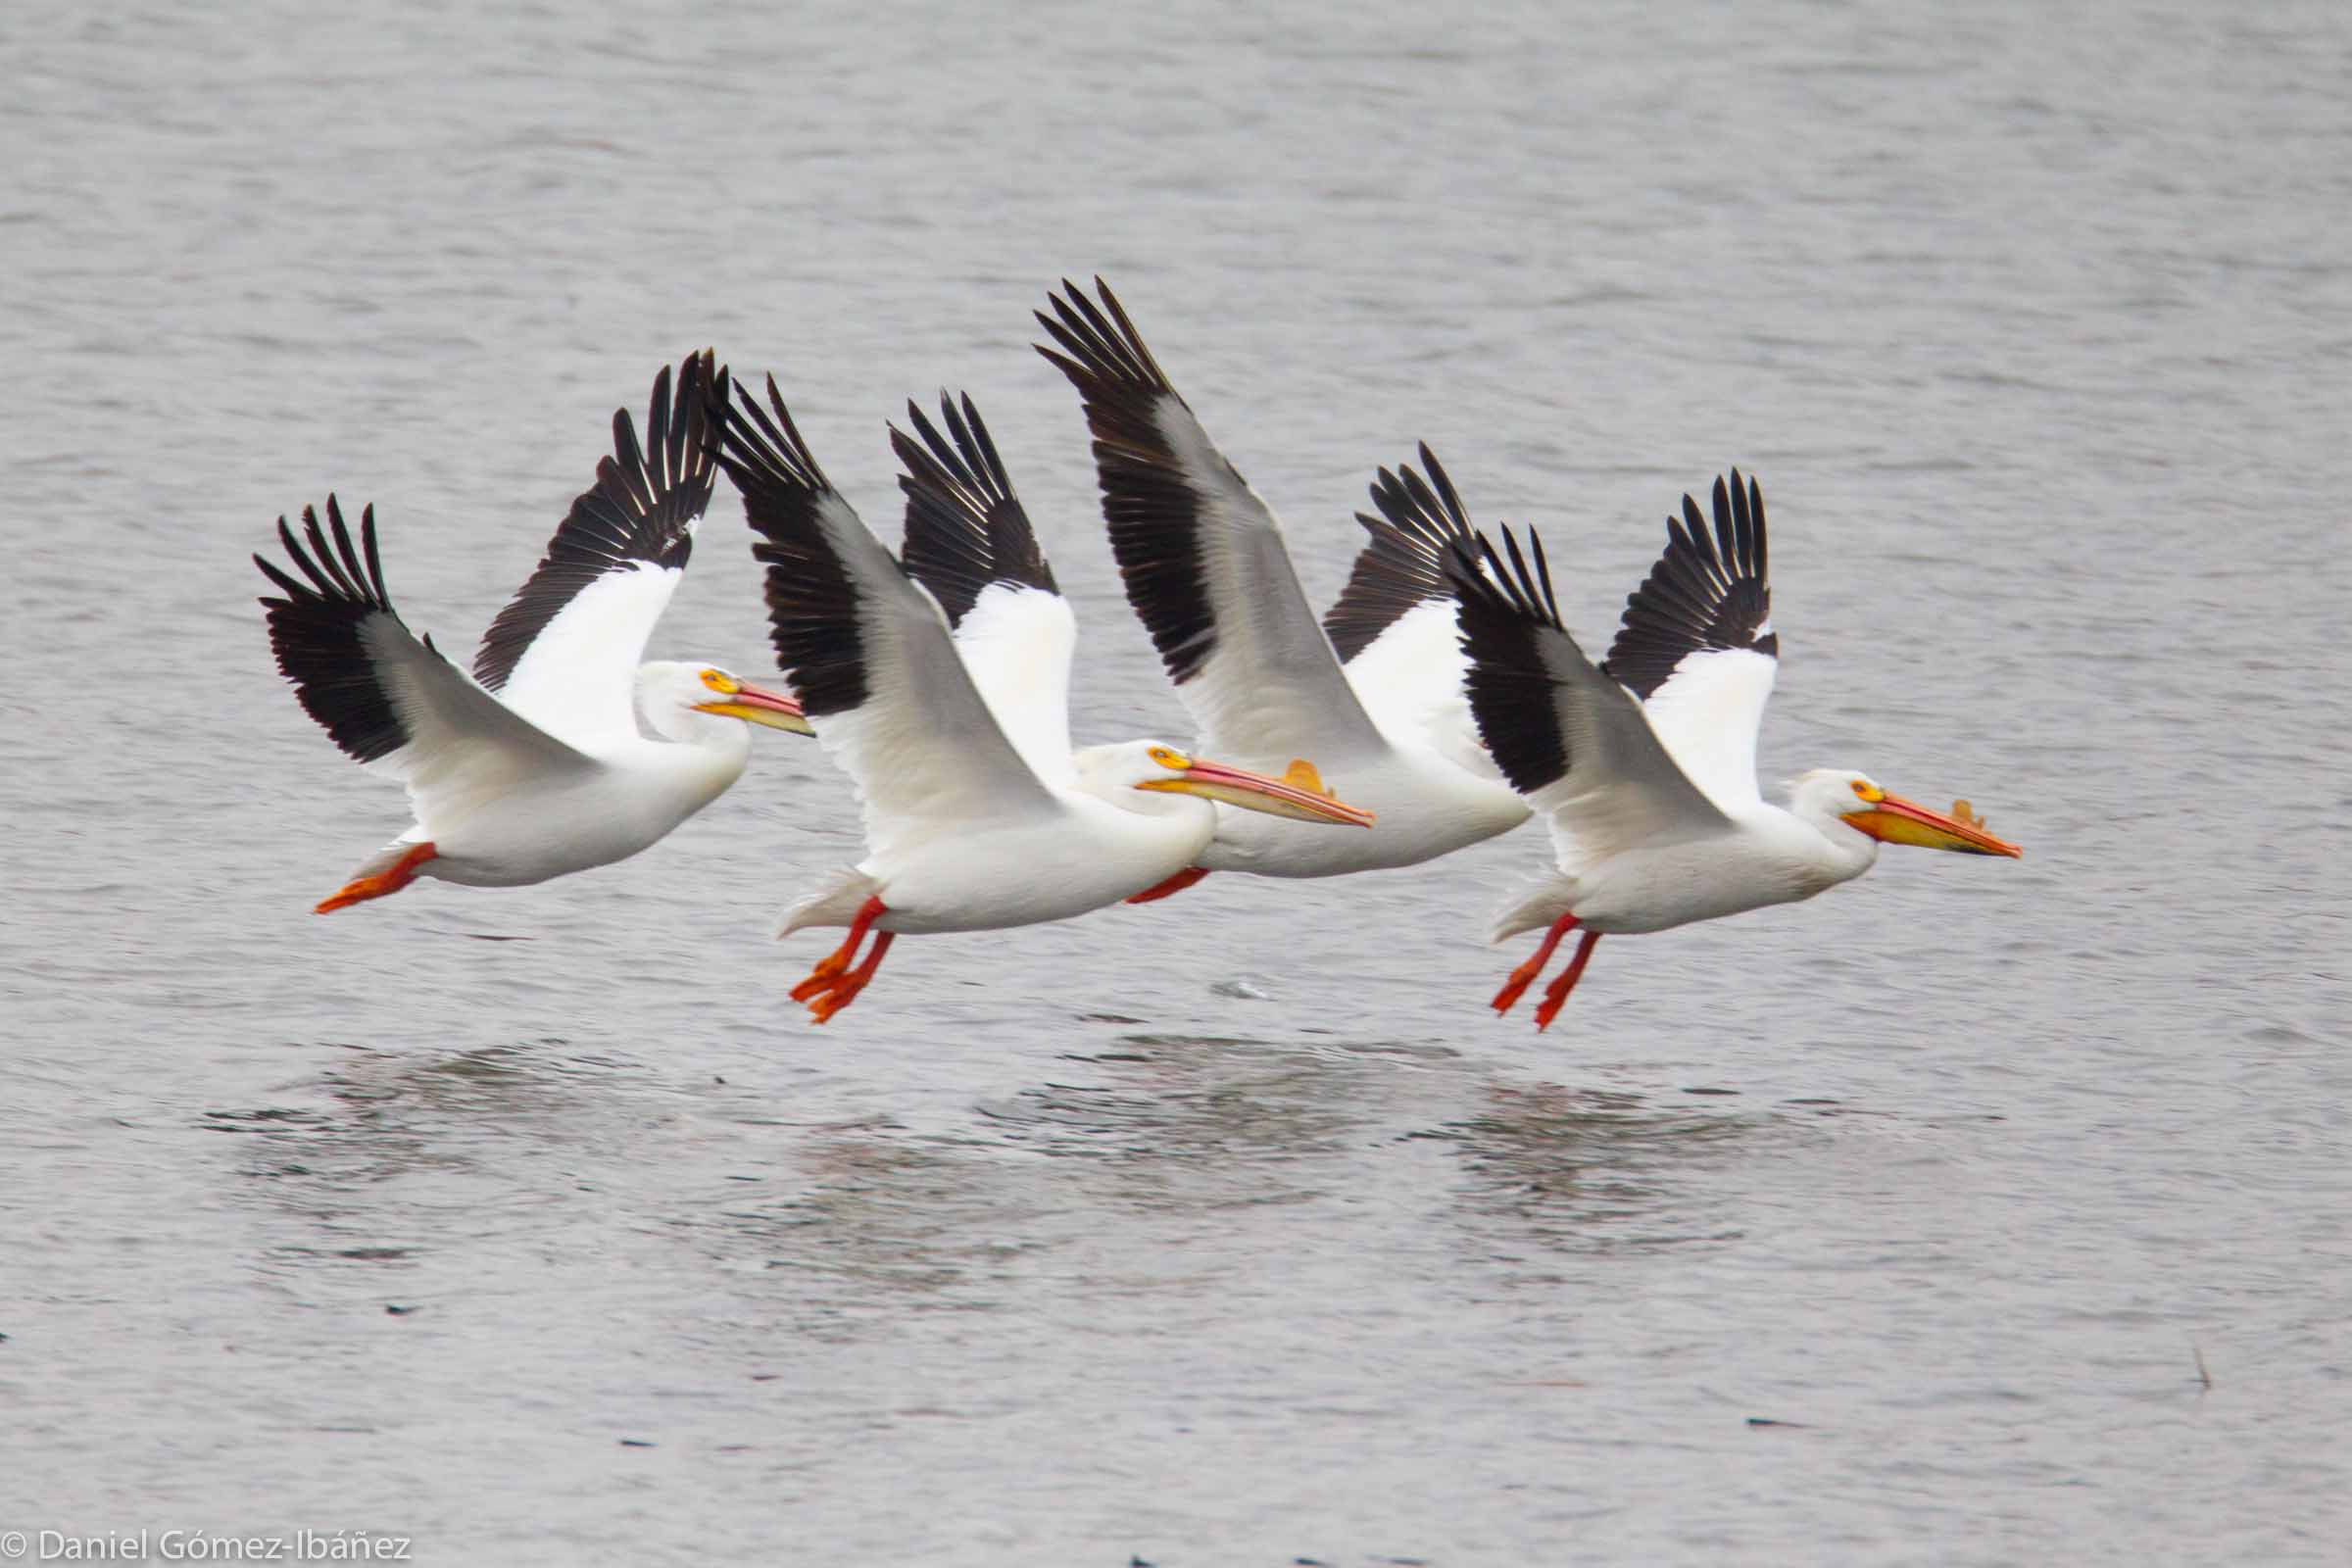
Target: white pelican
{"type": "Point", "coordinates": [535, 766]}
{"type": "Point", "coordinates": [1647, 764]}
{"type": "Point", "coordinates": [1207, 572]}
{"type": "Point", "coordinates": [963, 833]}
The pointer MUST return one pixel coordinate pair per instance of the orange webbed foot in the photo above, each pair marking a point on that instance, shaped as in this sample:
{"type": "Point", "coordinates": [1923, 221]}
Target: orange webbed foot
{"type": "Point", "coordinates": [833, 966]}
{"type": "Point", "coordinates": [1516, 986]}
{"type": "Point", "coordinates": [1557, 995]}
{"type": "Point", "coordinates": [360, 889]}
{"type": "Point", "coordinates": [822, 1009]}
{"type": "Point", "coordinates": [843, 990]}
{"type": "Point", "coordinates": [833, 985]}
{"type": "Point", "coordinates": [1525, 975]}
{"type": "Point", "coordinates": [827, 967]}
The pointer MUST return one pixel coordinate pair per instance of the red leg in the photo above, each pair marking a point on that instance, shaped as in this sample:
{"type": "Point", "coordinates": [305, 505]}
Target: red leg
{"type": "Point", "coordinates": [1173, 885]}
{"type": "Point", "coordinates": [838, 961]}
{"type": "Point", "coordinates": [359, 889]}
{"type": "Point", "coordinates": [1566, 983]}
{"type": "Point", "coordinates": [845, 989]}
{"type": "Point", "coordinates": [1525, 975]}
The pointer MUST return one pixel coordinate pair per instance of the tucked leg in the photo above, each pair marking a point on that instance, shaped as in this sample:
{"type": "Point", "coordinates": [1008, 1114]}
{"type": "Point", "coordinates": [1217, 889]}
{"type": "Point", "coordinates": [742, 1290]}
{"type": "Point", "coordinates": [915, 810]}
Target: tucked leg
{"type": "Point", "coordinates": [392, 879]}
{"type": "Point", "coordinates": [1558, 992]}
{"type": "Point", "coordinates": [1525, 975]}
{"type": "Point", "coordinates": [1173, 885]}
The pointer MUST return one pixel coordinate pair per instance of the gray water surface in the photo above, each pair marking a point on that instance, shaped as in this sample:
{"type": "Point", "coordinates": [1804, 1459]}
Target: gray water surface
{"type": "Point", "coordinates": [1234, 1230]}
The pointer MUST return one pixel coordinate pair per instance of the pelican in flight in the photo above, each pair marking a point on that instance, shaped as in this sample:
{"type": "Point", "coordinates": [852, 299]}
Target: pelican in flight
{"type": "Point", "coordinates": [535, 766]}
{"type": "Point", "coordinates": [1206, 568]}
{"type": "Point", "coordinates": [1647, 764]}
{"type": "Point", "coordinates": [977, 814]}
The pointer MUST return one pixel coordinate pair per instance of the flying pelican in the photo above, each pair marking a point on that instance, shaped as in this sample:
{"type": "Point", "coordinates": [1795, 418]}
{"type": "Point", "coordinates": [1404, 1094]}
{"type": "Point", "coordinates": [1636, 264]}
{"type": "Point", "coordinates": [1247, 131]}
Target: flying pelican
{"type": "Point", "coordinates": [535, 767]}
{"type": "Point", "coordinates": [1647, 764]}
{"type": "Point", "coordinates": [964, 831]}
{"type": "Point", "coordinates": [1206, 570]}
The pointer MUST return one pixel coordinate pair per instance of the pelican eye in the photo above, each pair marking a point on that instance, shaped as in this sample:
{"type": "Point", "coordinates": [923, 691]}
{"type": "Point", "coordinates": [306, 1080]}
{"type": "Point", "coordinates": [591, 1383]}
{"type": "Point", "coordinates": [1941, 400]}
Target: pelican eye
{"type": "Point", "coordinates": [1869, 792]}
{"type": "Point", "coordinates": [721, 682]}
{"type": "Point", "coordinates": [1169, 757]}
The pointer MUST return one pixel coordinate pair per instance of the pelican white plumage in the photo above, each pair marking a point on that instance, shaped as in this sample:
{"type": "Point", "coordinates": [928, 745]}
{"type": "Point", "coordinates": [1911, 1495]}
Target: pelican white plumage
{"type": "Point", "coordinates": [1645, 764]}
{"type": "Point", "coordinates": [1206, 570]}
{"type": "Point", "coordinates": [964, 831]}
{"type": "Point", "coordinates": [535, 766]}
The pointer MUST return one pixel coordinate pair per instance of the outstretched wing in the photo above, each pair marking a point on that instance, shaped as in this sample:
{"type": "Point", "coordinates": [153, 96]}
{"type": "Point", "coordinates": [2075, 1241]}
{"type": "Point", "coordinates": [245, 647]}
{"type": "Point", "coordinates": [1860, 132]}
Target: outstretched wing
{"type": "Point", "coordinates": [564, 650]}
{"type": "Point", "coordinates": [386, 698]}
{"type": "Point", "coordinates": [867, 651]}
{"type": "Point", "coordinates": [1393, 626]}
{"type": "Point", "coordinates": [1698, 646]}
{"type": "Point", "coordinates": [1565, 735]}
{"type": "Point", "coordinates": [1202, 556]}
{"type": "Point", "coordinates": [969, 542]}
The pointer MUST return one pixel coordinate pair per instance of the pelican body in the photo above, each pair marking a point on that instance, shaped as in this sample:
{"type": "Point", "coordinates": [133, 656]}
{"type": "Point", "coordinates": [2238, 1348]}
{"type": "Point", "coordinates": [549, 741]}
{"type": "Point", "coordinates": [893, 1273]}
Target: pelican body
{"type": "Point", "coordinates": [977, 814]}
{"type": "Point", "coordinates": [1118, 831]}
{"type": "Point", "coordinates": [1645, 765]}
{"type": "Point", "coordinates": [536, 766]}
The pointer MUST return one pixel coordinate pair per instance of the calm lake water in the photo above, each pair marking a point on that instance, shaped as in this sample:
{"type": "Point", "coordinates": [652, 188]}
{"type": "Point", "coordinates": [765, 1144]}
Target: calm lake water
{"type": "Point", "coordinates": [1888, 1227]}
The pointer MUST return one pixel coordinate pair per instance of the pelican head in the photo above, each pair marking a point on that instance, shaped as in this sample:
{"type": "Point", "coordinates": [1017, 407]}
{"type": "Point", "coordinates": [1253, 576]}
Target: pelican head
{"type": "Point", "coordinates": [669, 693]}
{"type": "Point", "coordinates": [1839, 795]}
{"type": "Point", "coordinates": [1157, 767]}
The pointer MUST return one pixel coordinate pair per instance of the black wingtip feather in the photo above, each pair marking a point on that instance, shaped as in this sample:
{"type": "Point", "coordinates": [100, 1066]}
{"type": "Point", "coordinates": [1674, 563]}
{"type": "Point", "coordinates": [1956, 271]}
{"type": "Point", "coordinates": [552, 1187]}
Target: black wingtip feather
{"type": "Point", "coordinates": [1505, 610]}
{"type": "Point", "coordinates": [965, 528]}
{"type": "Point", "coordinates": [1710, 590]}
{"type": "Point", "coordinates": [812, 603]}
{"type": "Point", "coordinates": [318, 630]}
{"type": "Point", "coordinates": [1402, 565]}
{"type": "Point", "coordinates": [642, 508]}
{"type": "Point", "coordinates": [1152, 513]}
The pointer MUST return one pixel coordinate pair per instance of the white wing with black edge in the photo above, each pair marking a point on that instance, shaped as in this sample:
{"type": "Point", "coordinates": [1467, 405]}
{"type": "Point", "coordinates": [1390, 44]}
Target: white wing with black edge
{"type": "Point", "coordinates": [1393, 626]}
{"type": "Point", "coordinates": [969, 542]}
{"type": "Point", "coordinates": [1566, 736]}
{"type": "Point", "coordinates": [1202, 556]}
{"type": "Point", "coordinates": [564, 652]}
{"type": "Point", "coordinates": [386, 698]}
{"type": "Point", "coordinates": [868, 653]}
{"type": "Point", "coordinates": [1697, 643]}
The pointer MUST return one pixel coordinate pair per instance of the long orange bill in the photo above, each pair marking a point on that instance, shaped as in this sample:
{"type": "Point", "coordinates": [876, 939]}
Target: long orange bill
{"type": "Point", "coordinates": [1895, 820]}
{"type": "Point", "coordinates": [756, 704]}
{"type": "Point", "coordinates": [1262, 792]}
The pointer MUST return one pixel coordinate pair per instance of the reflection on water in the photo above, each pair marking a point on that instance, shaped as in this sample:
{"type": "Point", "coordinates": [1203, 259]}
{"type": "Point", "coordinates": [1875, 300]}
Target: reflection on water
{"type": "Point", "coordinates": [1182, 1099]}
{"type": "Point", "coordinates": [383, 1113]}
{"type": "Point", "coordinates": [873, 1224]}
{"type": "Point", "coordinates": [387, 1159]}
{"type": "Point", "coordinates": [830, 1229]}
{"type": "Point", "coordinates": [1157, 1127]}
{"type": "Point", "coordinates": [385, 1152]}
{"type": "Point", "coordinates": [851, 1221]}
{"type": "Point", "coordinates": [1591, 1169]}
